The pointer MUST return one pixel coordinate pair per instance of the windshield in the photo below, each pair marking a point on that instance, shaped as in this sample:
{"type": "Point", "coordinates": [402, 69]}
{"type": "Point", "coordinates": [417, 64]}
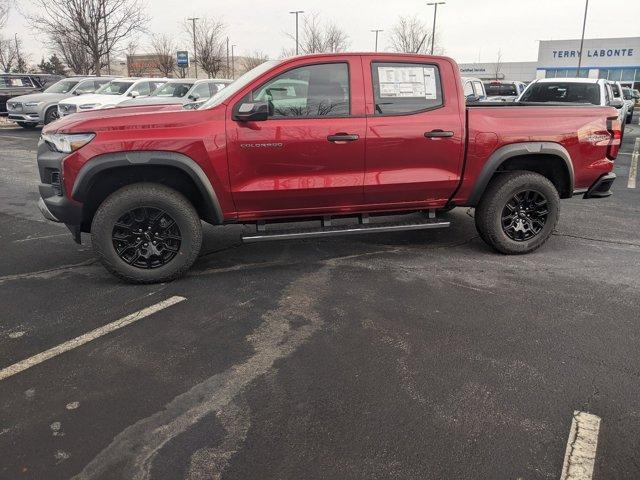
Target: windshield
{"type": "Point", "coordinates": [63, 86]}
{"type": "Point", "coordinates": [114, 88]}
{"type": "Point", "coordinates": [239, 84]}
{"type": "Point", "coordinates": [501, 89]}
{"type": "Point", "coordinates": [175, 89]}
{"type": "Point", "coordinates": [569, 92]}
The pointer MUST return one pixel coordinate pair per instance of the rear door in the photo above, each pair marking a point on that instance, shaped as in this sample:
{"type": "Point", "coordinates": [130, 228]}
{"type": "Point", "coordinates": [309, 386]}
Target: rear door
{"type": "Point", "coordinates": [309, 155]}
{"type": "Point", "coordinates": [415, 132]}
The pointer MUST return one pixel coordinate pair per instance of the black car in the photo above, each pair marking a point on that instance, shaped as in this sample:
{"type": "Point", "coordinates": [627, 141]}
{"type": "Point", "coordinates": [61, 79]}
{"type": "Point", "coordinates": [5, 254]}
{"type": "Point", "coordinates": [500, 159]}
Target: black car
{"type": "Point", "coordinates": [15, 84]}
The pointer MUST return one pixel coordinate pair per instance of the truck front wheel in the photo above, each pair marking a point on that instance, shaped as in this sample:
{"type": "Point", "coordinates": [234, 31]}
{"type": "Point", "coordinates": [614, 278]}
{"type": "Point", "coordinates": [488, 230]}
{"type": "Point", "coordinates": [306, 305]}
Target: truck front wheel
{"type": "Point", "coordinates": [517, 212]}
{"type": "Point", "coordinates": [146, 233]}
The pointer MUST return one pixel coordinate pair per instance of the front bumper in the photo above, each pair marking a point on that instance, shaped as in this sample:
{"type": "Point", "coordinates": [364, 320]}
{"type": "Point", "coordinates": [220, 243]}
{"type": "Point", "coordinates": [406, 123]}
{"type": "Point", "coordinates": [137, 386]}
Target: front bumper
{"type": "Point", "coordinates": [54, 204]}
{"type": "Point", "coordinates": [602, 187]}
{"type": "Point", "coordinates": [25, 117]}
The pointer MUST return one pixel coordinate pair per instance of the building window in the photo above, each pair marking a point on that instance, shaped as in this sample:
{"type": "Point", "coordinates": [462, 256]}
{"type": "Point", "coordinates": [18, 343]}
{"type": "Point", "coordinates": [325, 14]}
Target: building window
{"type": "Point", "coordinates": [628, 74]}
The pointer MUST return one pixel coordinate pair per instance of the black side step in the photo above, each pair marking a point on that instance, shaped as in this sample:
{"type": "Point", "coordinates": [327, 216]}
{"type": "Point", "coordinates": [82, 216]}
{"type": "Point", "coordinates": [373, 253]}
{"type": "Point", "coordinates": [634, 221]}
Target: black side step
{"type": "Point", "coordinates": [331, 231]}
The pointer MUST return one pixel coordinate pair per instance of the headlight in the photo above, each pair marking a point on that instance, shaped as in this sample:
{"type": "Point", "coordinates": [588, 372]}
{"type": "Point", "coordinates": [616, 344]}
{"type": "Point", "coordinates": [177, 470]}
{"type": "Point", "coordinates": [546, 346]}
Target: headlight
{"type": "Point", "coordinates": [89, 106]}
{"type": "Point", "coordinates": [33, 104]}
{"type": "Point", "coordinates": [67, 143]}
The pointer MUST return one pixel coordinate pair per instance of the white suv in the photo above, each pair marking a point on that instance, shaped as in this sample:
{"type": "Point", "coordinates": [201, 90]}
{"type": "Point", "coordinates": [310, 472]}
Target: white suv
{"type": "Point", "coordinates": [111, 94]}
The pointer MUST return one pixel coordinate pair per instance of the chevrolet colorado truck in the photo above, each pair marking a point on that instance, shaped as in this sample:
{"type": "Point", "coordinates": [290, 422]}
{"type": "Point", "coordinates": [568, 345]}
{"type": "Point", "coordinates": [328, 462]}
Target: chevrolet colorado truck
{"type": "Point", "coordinates": [340, 140]}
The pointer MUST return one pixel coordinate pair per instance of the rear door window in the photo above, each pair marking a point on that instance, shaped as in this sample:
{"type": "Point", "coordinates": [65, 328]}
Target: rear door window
{"type": "Point", "coordinates": [405, 88]}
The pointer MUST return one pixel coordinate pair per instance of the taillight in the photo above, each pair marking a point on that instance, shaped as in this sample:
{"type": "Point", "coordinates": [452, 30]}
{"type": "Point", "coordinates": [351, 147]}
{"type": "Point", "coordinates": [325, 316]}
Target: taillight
{"type": "Point", "coordinates": [614, 127]}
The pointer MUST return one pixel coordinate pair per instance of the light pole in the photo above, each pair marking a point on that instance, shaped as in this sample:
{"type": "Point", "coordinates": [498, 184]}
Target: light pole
{"type": "Point", "coordinates": [377, 32]}
{"type": "Point", "coordinates": [297, 13]}
{"type": "Point", "coordinates": [233, 63]}
{"type": "Point", "coordinates": [195, 63]}
{"type": "Point", "coordinates": [584, 24]}
{"type": "Point", "coordinates": [435, 14]}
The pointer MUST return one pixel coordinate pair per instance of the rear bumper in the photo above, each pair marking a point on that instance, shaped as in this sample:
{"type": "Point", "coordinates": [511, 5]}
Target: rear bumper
{"type": "Point", "coordinates": [602, 187]}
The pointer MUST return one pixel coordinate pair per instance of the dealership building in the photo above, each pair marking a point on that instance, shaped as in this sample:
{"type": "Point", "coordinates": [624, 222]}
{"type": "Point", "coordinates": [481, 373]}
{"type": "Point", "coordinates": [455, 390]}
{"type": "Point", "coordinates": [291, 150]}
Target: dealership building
{"type": "Point", "coordinates": [615, 59]}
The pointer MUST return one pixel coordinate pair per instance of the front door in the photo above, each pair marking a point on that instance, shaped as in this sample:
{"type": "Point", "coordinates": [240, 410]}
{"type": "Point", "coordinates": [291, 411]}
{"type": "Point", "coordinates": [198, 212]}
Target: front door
{"type": "Point", "coordinates": [415, 133]}
{"type": "Point", "coordinates": [309, 155]}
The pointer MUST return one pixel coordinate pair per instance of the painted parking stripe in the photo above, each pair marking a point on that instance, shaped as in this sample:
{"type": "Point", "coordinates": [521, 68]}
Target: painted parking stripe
{"type": "Point", "coordinates": [633, 170]}
{"type": "Point", "coordinates": [87, 337]}
{"type": "Point", "coordinates": [580, 456]}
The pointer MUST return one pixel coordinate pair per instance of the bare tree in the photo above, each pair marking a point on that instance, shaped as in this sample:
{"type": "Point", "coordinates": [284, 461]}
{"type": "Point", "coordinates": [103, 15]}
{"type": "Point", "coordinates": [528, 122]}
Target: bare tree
{"type": "Point", "coordinates": [253, 60]}
{"type": "Point", "coordinates": [410, 35]}
{"type": "Point", "coordinates": [134, 68]}
{"type": "Point", "coordinates": [7, 54]}
{"type": "Point", "coordinates": [498, 65]}
{"type": "Point", "coordinates": [99, 26]}
{"type": "Point", "coordinates": [74, 55]}
{"type": "Point", "coordinates": [22, 58]}
{"type": "Point", "coordinates": [4, 12]}
{"type": "Point", "coordinates": [164, 48]}
{"type": "Point", "coordinates": [210, 47]}
{"type": "Point", "coordinates": [320, 37]}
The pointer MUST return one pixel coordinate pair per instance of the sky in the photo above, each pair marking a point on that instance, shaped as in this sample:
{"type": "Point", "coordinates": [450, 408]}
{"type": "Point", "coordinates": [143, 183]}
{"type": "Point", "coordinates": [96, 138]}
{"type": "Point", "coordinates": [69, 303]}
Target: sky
{"type": "Point", "coordinates": [468, 30]}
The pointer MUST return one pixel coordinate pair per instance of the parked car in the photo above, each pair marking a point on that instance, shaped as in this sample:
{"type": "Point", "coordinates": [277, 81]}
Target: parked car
{"type": "Point", "coordinates": [473, 89]}
{"type": "Point", "coordinates": [111, 94]}
{"type": "Point", "coordinates": [181, 91]}
{"type": "Point", "coordinates": [501, 91]}
{"type": "Point", "coordinates": [636, 95]}
{"type": "Point", "coordinates": [618, 95]}
{"type": "Point", "coordinates": [630, 100]}
{"type": "Point", "coordinates": [143, 191]}
{"type": "Point", "coordinates": [15, 84]}
{"type": "Point", "coordinates": [589, 91]}
{"type": "Point", "coordinates": [35, 109]}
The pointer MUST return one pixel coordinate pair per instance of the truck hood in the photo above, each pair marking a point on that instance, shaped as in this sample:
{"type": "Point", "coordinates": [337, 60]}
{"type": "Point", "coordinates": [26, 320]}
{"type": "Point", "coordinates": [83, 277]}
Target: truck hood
{"type": "Point", "coordinates": [40, 97]}
{"type": "Point", "coordinates": [96, 98]}
{"type": "Point", "coordinates": [125, 118]}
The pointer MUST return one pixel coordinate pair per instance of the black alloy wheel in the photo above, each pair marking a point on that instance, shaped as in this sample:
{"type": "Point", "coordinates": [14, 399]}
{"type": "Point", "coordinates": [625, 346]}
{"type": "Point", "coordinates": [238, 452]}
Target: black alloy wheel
{"type": "Point", "coordinates": [146, 237]}
{"type": "Point", "coordinates": [525, 215]}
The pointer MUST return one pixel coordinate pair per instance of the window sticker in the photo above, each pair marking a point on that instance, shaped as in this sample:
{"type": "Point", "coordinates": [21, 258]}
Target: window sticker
{"type": "Point", "coordinates": [407, 82]}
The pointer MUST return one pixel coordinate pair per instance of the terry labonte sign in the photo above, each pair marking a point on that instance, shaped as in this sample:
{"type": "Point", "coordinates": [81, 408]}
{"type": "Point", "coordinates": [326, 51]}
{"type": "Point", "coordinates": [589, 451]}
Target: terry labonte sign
{"type": "Point", "coordinates": [602, 52]}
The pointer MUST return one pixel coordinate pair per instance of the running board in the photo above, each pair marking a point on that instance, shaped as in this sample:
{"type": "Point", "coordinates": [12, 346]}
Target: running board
{"type": "Point", "coordinates": [335, 230]}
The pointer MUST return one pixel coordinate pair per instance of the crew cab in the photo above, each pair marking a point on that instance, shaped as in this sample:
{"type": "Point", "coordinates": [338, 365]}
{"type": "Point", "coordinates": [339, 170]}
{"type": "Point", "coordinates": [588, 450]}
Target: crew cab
{"type": "Point", "coordinates": [342, 140]}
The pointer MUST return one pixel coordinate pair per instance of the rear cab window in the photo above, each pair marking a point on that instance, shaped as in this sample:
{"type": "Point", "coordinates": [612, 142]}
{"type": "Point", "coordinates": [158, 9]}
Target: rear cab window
{"type": "Point", "coordinates": [405, 88]}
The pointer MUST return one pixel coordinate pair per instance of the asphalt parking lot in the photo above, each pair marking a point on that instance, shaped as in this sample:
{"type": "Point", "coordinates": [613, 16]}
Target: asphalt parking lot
{"type": "Point", "coordinates": [411, 355]}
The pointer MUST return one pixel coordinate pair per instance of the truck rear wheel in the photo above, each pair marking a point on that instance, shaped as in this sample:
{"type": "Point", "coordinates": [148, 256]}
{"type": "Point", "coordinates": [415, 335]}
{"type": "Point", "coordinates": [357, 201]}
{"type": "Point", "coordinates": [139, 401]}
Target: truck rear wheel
{"type": "Point", "coordinates": [146, 233]}
{"type": "Point", "coordinates": [518, 212]}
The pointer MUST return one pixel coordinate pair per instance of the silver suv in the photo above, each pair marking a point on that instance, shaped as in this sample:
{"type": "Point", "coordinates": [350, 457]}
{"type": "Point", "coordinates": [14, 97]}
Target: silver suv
{"type": "Point", "coordinates": [41, 108]}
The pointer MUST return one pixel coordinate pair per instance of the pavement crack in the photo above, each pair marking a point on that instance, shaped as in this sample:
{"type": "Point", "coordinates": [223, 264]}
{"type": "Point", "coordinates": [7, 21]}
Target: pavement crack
{"type": "Point", "coordinates": [600, 240]}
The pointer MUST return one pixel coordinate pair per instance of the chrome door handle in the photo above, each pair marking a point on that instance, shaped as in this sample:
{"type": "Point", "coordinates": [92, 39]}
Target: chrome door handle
{"type": "Point", "coordinates": [438, 134]}
{"type": "Point", "coordinates": [343, 137]}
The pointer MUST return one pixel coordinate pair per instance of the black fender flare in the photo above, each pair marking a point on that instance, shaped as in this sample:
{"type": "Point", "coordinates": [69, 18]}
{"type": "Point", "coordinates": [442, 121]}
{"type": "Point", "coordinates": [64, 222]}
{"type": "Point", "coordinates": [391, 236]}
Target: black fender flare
{"type": "Point", "coordinates": [211, 209]}
{"type": "Point", "coordinates": [516, 150]}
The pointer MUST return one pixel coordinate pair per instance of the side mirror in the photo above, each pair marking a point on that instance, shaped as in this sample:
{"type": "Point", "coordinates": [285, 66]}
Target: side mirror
{"type": "Point", "coordinates": [252, 112]}
{"type": "Point", "coordinates": [616, 103]}
{"type": "Point", "coordinates": [471, 98]}
{"type": "Point", "coordinates": [194, 96]}
{"type": "Point", "coordinates": [134, 94]}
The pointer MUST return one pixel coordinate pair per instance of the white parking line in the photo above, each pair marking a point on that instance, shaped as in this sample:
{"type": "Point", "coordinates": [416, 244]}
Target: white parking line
{"type": "Point", "coordinates": [87, 337]}
{"type": "Point", "coordinates": [580, 456]}
{"type": "Point", "coordinates": [633, 169]}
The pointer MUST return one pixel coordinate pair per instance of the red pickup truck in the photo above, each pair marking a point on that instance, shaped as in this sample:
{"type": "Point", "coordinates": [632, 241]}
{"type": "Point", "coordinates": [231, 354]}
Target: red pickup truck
{"type": "Point", "coordinates": [316, 138]}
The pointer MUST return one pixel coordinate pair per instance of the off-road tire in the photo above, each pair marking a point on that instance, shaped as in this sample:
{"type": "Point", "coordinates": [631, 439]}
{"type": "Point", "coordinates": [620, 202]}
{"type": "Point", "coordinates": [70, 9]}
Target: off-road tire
{"type": "Point", "coordinates": [50, 115]}
{"type": "Point", "coordinates": [27, 125]}
{"type": "Point", "coordinates": [501, 190]}
{"type": "Point", "coordinates": [154, 196]}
